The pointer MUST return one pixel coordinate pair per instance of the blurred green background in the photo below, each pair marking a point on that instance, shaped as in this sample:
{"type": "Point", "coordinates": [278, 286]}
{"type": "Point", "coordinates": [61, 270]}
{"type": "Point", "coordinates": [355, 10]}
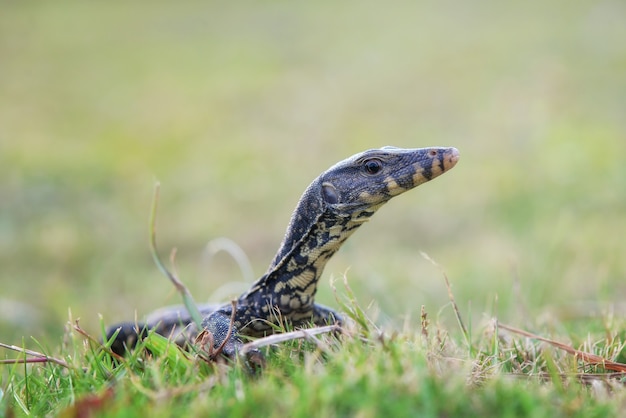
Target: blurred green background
{"type": "Point", "coordinates": [236, 106]}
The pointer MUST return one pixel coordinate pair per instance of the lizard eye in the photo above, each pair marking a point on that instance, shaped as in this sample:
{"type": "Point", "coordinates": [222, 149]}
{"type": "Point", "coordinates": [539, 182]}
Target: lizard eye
{"type": "Point", "coordinates": [372, 166]}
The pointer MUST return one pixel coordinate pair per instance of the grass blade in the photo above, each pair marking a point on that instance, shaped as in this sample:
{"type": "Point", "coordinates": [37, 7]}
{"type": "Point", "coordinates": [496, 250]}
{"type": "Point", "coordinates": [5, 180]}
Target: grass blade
{"type": "Point", "coordinates": [188, 301]}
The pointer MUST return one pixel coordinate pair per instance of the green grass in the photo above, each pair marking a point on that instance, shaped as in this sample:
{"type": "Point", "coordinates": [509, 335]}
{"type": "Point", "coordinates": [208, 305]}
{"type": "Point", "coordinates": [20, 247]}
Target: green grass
{"type": "Point", "coordinates": [235, 108]}
{"type": "Point", "coordinates": [364, 372]}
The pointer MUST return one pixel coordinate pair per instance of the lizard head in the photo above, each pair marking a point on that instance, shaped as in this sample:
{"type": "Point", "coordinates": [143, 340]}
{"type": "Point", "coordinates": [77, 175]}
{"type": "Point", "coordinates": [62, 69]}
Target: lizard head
{"type": "Point", "coordinates": [353, 189]}
{"type": "Point", "coordinates": [365, 181]}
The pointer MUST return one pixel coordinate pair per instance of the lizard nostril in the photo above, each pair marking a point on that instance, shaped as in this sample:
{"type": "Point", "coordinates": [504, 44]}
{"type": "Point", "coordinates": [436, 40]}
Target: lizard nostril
{"type": "Point", "coordinates": [433, 153]}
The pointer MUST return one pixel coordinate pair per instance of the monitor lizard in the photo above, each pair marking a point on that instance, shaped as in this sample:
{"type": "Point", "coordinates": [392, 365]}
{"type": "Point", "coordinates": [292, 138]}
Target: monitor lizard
{"type": "Point", "coordinates": [334, 205]}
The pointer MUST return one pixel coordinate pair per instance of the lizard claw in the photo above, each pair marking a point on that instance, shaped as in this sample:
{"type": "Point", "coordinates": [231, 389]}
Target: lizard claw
{"type": "Point", "coordinates": [254, 360]}
{"type": "Point", "coordinates": [232, 349]}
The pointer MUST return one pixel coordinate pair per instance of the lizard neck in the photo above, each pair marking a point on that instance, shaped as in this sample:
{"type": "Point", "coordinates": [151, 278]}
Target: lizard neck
{"type": "Point", "coordinates": [291, 283]}
{"type": "Point", "coordinates": [313, 236]}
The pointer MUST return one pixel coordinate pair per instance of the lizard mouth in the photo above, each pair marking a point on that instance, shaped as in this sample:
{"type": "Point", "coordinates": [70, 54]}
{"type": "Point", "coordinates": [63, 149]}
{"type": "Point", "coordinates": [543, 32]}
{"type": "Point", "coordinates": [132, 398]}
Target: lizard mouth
{"type": "Point", "coordinates": [453, 157]}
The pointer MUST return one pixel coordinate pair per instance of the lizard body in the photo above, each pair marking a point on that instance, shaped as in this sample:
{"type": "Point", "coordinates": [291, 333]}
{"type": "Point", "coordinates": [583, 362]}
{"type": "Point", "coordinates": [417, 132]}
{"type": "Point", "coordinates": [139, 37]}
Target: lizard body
{"type": "Point", "coordinates": [334, 205]}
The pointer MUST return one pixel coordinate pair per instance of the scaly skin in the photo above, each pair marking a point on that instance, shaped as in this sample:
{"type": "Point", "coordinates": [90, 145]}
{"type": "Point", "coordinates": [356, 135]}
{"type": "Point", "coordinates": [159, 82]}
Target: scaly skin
{"type": "Point", "coordinates": [336, 203]}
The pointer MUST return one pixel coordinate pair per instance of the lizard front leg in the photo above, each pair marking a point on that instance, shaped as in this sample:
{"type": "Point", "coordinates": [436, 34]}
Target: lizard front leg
{"type": "Point", "coordinates": [225, 335]}
{"type": "Point", "coordinates": [225, 332]}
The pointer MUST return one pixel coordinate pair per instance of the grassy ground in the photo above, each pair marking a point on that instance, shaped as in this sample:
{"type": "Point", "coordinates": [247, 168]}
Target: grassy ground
{"type": "Point", "coordinates": [362, 373]}
{"type": "Point", "coordinates": [236, 107]}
